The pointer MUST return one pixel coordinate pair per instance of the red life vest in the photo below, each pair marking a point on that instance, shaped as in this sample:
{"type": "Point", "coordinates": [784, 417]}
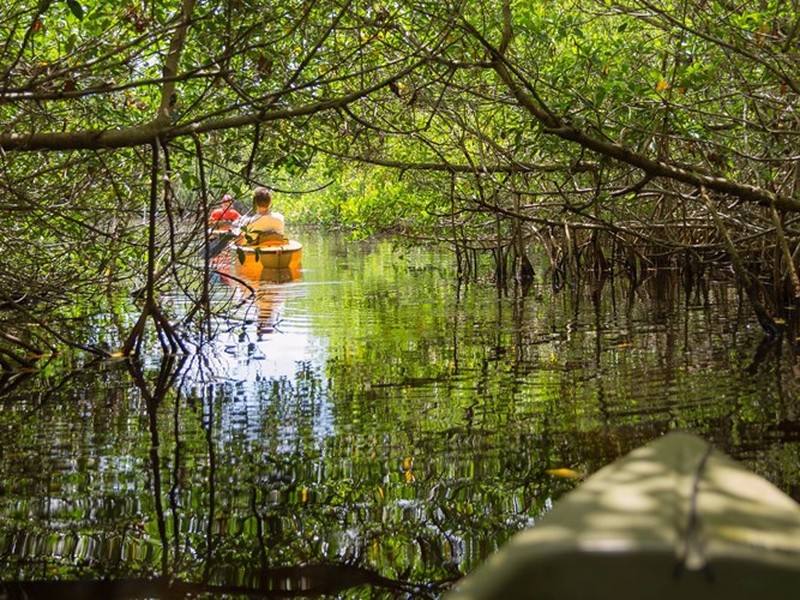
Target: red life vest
{"type": "Point", "coordinates": [224, 214]}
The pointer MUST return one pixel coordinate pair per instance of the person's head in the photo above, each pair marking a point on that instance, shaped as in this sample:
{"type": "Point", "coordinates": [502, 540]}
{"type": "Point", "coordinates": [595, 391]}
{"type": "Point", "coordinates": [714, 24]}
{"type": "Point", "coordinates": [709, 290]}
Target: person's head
{"type": "Point", "coordinates": [262, 198]}
{"type": "Point", "coordinates": [227, 200]}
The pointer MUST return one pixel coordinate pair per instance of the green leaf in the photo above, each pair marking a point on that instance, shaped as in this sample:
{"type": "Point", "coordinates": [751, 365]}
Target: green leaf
{"type": "Point", "coordinates": [240, 255]}
{"type": "Point", "coordinates": [600, 94]}
{"type": "Point", "coordinates": [76, 9]}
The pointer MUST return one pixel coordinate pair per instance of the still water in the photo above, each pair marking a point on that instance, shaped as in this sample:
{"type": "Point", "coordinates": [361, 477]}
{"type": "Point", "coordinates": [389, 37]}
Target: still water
{"type": "Point", "coordinates": [370, 429]}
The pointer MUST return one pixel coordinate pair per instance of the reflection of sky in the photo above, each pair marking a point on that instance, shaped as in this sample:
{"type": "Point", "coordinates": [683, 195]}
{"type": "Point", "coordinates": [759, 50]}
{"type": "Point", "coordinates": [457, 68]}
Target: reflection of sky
{"type": "Point", "coordinates": [263, 356]}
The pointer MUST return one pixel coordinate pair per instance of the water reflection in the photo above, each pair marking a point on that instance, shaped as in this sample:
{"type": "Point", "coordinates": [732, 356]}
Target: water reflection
{"type": "Point", "coordinates": [371, 418]}
{"type": "Point", "coordinates": [262, 287]}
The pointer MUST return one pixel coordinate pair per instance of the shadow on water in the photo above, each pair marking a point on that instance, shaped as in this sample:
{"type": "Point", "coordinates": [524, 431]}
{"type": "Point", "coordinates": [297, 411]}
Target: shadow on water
{"type": "Point", "coordinates": [368, 425]}
{"type": "Point", "coordinates": [289, 582]}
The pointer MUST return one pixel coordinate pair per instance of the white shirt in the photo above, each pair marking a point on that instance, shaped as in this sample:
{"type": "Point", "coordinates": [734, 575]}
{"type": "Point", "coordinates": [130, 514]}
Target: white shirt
{"type": "Point", "coordinates": [271, 222]}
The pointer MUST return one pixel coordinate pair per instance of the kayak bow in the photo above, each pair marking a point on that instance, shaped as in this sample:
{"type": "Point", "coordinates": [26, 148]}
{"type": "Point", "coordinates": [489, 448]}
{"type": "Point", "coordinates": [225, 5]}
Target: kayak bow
{"type": "Point", "coordinates": [673, 519]}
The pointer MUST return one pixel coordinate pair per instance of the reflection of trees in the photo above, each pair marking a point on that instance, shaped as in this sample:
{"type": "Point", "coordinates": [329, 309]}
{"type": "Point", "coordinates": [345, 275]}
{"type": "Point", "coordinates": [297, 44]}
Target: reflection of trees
{"type": "Point", "coordinates": [153, 398]}
{"type": "Point", "coordinates": [434, 461]}
{"type": "Point", "coordinates": [271, 501]}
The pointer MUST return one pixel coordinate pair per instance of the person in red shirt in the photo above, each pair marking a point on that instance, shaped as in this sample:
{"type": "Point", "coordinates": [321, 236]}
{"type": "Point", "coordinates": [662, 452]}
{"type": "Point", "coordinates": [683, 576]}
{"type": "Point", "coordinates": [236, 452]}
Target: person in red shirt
{"type": "Point", "coordinates": [223, 216]}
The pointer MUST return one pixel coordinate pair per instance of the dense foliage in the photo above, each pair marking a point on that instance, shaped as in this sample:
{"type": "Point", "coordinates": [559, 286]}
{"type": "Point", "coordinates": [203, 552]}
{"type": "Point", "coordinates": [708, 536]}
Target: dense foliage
{"type": "Point", "coordinates": [621, 135]}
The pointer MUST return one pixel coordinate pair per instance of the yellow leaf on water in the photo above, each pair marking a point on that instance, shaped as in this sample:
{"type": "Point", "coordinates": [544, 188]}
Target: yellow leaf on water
{"type": "Point", "coordinates": [661, 86]}
{"type": "Point", "coordinates": [564, 473]}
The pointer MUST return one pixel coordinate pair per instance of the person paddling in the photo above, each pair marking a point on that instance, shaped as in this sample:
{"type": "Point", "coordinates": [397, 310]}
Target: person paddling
{"type": "Point", "coordinates": [265, 221]}
{"type": "Point", "coordinates": [223, 217]}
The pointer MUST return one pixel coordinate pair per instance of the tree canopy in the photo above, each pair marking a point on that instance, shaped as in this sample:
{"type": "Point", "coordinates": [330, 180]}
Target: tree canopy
{"type": "Point", "coordinates": [618, 135]}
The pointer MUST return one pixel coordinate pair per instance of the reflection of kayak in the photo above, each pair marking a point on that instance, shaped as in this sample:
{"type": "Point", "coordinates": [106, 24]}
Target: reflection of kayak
{"type": "Point", "coordinates": [255, 272]}
{"type": "Point", "coordinates": [673, 519]}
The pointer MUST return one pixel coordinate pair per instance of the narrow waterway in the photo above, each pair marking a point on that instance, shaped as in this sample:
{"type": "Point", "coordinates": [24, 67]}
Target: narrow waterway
{"type": "Point", "coordinates": [368, 428]}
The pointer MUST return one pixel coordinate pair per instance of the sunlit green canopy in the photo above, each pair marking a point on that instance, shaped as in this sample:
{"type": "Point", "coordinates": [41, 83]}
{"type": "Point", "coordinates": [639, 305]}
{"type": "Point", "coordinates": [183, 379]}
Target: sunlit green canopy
{"type": "Point", "coordinates": [673, 519]}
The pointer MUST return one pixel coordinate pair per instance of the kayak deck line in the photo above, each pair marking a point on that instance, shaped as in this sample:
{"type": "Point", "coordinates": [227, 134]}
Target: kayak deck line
{"type": "Point", "coordinates": [273, 255]}
{"type": "Point", "coordinates": [673, 519]}
{"type": "Point", "coordinates": [284, 255]}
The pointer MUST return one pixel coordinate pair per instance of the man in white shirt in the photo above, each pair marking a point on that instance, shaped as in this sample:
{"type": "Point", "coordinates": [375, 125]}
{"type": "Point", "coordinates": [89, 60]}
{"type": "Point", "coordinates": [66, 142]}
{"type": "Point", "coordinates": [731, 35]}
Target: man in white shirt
{"type": "Point", "coordinates": [265, 221]}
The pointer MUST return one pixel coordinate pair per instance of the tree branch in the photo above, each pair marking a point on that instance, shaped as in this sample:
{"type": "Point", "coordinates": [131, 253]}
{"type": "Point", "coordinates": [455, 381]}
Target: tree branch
{"type": "Point", "coordinates": [562, 128]}
{"type": "Point", "coordinates": [170, 69]}
{"type": "Point", "coordinates": [130, 137]}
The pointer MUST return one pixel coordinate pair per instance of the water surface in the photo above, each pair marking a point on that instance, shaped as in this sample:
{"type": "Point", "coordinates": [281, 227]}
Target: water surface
{"type": "Point", "coordinates": [371, 428]}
